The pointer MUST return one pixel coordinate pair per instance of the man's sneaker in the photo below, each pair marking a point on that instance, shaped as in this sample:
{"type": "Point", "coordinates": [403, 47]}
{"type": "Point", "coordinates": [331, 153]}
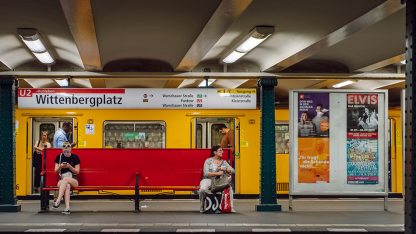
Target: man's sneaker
{"type": "Point", "coordinates": [66, 211]}
{"type": "Point", "coordinates": [56, 205]}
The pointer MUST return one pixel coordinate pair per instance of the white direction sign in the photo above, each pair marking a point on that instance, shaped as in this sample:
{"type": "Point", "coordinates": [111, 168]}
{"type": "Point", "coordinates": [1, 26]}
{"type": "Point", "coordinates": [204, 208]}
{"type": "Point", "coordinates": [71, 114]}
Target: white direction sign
{"type": "Point", "coordinates": [62, 98]}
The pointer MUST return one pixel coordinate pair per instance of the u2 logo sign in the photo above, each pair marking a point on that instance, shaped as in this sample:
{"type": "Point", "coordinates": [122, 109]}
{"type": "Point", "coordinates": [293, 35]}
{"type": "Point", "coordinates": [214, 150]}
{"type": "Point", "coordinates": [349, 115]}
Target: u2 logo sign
{"type": "Point", "coordinates": [25, 93]}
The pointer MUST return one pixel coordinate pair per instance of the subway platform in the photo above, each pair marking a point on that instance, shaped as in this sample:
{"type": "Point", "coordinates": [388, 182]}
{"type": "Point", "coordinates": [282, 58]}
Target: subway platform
{"type": "Point", "coordinates": [182, 215]}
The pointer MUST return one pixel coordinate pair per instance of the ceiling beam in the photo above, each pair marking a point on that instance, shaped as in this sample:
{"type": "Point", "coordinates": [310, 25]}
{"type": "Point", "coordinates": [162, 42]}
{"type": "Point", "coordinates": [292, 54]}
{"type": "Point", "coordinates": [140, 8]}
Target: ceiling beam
{"type": "Point", "coordinates": [173, 83]}
{"type": "Point", "coordinates": [98, 83]}
{"type": "Point", "coordinates": [225, 14]}
{"type": "Point", "coordinates": [398, 84]}
{"type": "Point", "coordinates": [393, 60]}
{"type": "Point", "coordinates": [324, 84]}
{"type": "Point", "coordinates": [201, 75]}
{"type": "Point", "coordinates": [249, 84]}
{"type": "Point", "coordinates": [3, 67]}
{"type": "Point", "coordinates": [375, 15]}
{"type": "Point", "coordinates": [24, 84]}
{"type": "Point", "coordinates": [78, 14]}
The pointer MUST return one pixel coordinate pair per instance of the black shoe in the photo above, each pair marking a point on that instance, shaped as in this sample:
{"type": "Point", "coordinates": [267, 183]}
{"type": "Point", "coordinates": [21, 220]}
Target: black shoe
{"type": "Point", "coordinates": [66, 211]}
{"type": "Point", "coordinates": [217, 212]}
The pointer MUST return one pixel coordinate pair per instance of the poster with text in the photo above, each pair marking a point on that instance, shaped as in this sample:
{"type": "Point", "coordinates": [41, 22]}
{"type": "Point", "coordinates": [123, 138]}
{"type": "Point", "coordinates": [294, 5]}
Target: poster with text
{"type": "Point", "coordinates": [313, 160]}
{"type": "Point", "coordinates": [362, 161]}
{"type": "Point", "coordinates": [313, 115]}
{"type": "Point", "coordinates": [362, 116]}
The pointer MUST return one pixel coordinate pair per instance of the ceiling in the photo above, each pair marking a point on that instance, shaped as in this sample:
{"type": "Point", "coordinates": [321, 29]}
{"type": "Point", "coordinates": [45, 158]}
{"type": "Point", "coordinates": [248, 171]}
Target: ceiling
{"type": "Point", "coordinates": [175, 44]}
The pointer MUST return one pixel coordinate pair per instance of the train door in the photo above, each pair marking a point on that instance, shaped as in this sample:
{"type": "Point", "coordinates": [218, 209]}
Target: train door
{"type": "Point", "coordinates": [207, 133]}
{"type": "Point", "coordinates": [50, 125]}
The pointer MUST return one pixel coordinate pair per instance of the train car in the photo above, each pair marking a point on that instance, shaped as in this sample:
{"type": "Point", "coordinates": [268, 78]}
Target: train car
{"type": "Point", "coordinates": [132, 128]}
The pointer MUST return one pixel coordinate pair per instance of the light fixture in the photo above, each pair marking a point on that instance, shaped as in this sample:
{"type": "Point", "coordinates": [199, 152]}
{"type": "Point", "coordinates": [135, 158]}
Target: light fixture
{"type": "Point", "coordinates": [403, 62]}
{"type": "Point", "coordinates": [249, 42]}
{"type": "Point", "coordinates": [344, 83]}
{"type": "Point", "coordinates": [33, 41]}
{"type": "Point", "coordinates": [233, 56]}
{"type": "Point", "coordinates": [206, 83]}
{"type": "Point", "coordinates": [44, 57]}
{"type": "Point", "coordinates": [62, 82]}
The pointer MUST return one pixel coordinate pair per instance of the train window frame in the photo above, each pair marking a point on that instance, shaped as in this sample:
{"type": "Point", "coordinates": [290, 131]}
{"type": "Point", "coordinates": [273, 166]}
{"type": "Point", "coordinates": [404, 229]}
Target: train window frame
{"type": "Point", "coordinates": [139, 143]}
{"type": "Point", "coordinates": [282, 143]}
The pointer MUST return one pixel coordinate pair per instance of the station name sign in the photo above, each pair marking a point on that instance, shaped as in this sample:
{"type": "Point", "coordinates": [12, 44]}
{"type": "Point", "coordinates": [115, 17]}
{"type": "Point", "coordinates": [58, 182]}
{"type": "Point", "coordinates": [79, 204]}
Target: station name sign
{"type": "Point", "coordinates": [68, 98]}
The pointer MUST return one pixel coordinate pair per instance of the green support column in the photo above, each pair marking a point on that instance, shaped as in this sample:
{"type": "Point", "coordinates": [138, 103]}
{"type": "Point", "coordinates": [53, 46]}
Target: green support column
{"type": "Point", "coordinates": [7, 146]}
{"type": "Point", "coordinates": [268, 198]}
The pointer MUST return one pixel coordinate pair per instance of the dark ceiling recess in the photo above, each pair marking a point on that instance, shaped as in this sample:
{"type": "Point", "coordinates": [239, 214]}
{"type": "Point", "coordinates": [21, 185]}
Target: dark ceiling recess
{"type": "Point", "coordinates": [318, 66]}
{"type": "Point", "coordinates": [137, 65]}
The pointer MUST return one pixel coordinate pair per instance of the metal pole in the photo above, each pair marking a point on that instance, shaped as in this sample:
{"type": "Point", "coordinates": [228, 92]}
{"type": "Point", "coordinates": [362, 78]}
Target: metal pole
{"type": "Point", "coordinates": [410, 144]}
{"type": "Point", "coordinates": [7, 146]}
{"type": "Point", "coordinates": [268, 198]}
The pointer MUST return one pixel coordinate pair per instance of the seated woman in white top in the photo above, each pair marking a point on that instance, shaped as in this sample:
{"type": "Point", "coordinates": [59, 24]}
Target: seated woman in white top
{"type": "Point", "coordinates": [213, 166]}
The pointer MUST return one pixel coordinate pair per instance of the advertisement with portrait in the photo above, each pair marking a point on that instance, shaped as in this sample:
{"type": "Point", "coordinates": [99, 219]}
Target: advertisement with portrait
{"type": "Point", "coordinates": [313, 112]}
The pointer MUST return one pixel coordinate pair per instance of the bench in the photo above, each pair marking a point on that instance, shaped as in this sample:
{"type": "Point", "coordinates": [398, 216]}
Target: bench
{"type": "Point", "coordinates": [129, 169]}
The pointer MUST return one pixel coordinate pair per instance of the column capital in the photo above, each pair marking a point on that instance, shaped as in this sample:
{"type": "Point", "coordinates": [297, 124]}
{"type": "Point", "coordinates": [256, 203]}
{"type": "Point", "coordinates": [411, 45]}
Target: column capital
{"type": "Point", "coordinates": [267, 81]}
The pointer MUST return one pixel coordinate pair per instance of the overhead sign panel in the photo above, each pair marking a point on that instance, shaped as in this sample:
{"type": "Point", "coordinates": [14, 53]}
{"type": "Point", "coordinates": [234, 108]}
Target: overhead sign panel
{"type": "Point", "coordinates": [137, 98]}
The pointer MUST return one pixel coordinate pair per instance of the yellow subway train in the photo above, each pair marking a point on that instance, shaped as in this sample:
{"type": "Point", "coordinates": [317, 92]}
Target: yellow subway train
{"type": "Point", "coordinates": [132, 128]}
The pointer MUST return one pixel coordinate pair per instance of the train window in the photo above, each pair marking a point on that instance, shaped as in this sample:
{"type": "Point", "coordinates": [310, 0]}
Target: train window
{"type": "Point", "coordinates": [49, 128]}
{"type": "Point", "coordinates": [282, 138]}
{"type": "Point", "coordinates": [199, 136]}
{"type": "Point", "coordinates": [216, 136]}
{"type": "Point", "coordinates": [134, 134]}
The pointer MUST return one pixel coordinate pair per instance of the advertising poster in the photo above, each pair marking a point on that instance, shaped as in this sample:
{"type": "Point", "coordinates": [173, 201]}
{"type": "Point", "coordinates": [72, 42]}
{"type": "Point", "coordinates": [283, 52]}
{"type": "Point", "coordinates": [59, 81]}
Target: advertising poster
{"type": "Point", "coordinates": [362, 116]}
{"type": "Point", "coordinates": [313, 115]}
{"type": "Point", "coordinates": [362, 161]}
{"type": "Point", "coordinates": [313, 160]}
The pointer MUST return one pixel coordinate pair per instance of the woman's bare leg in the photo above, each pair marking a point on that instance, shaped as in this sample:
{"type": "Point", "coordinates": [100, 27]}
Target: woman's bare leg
{"type": "Point", "coordinates": [62, 187]}
{"type": "Point", "coordinates": [67, 195]}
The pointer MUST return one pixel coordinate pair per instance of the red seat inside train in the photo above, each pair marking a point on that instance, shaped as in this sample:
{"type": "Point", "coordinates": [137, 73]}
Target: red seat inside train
{"type": "Point", "coordinates": [123, 169]}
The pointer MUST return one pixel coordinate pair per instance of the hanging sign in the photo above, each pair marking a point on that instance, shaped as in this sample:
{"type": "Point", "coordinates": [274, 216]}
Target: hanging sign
{"type": "Point", "coordinates": [137, 98]}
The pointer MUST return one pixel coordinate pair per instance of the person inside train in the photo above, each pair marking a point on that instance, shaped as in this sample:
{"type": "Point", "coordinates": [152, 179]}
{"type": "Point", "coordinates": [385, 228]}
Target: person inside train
{"type": "Point", "coordinates": [37, 158]}
{"type": "Point", "coordinates": [67, 166]}
{"type": "Point", "coordinates": [227, 140]}
{"type": "Point", "coordinates": [213, 166]}
{"type": "Point", "coordinates": [61, 135]}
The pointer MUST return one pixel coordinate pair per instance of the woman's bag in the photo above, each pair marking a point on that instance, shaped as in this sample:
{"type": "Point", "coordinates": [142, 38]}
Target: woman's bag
{"type": "Point", "coordinates": [219, 183]}
{"type": "Point", "coordinates": [226, 201]}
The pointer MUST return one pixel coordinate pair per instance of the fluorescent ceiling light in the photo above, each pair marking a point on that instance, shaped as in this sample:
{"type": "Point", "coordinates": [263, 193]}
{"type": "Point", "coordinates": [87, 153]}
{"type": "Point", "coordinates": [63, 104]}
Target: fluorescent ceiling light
{"type": "Point", "coordinates": [62, 82]}
{"type": "Point", "coordinates": [403, 62]}
{"type": "Point", "coordinates": [253, 39]}
{"type": "Point", "coordinates": [35, 46]}
{"type": "Point", "coordinates": [234, 56]}
{"type": "Point", "coordinates": [342, 84]}
{"type": "Point", "coordinates": [204, 83]}
{"type": "Point", "coordinates": [33, 41]}
{"type": "Point", "coordinates": [44, 57]}
{"type": "Point", "coordinates": [249, 44]}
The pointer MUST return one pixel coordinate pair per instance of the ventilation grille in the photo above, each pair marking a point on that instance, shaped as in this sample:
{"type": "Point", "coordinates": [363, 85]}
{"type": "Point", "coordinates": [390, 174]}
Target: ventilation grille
{"type": "Point", "coordinates": [282, 187]}
{"type": "Point", "coordinates": [151, 191]}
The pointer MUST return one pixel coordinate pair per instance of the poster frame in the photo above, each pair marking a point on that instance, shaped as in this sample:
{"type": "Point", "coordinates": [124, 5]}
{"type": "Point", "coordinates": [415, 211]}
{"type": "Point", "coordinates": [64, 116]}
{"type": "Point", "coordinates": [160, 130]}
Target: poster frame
{"type": "Point", "coordinates": [294, 139]}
